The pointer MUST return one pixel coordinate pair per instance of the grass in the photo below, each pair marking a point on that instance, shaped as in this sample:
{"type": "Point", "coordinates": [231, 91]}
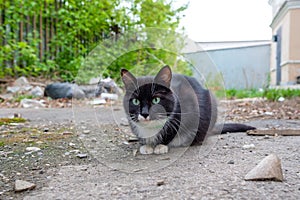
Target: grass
{"type": "Point", "coordinates": [5, 121]}
{"type": "Point", "coordinates": [19, 97]}
{"type": "Point", "coordinates": [30, 135]}
{"type": "Point", "coordinates": [270, 94]}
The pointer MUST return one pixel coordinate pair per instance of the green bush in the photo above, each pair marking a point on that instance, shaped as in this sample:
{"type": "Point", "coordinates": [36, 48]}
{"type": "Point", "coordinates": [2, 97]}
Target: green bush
{"type": "Point", "coordinates": [270, 94]}
{"type": "Point", "coordinates": [74, 29]}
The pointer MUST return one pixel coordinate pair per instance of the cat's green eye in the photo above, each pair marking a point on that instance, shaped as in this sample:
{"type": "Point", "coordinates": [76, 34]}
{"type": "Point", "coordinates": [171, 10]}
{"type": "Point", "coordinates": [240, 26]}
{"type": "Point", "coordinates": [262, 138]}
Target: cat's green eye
{"type": "Point", "coordinates": [156, 100]}
{"type": "Point", "coordinates": [135, 102]}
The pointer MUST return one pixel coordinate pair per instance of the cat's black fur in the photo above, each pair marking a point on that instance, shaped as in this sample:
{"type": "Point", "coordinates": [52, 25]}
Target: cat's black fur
{"type": "Point", "coordinates": [184, 115]}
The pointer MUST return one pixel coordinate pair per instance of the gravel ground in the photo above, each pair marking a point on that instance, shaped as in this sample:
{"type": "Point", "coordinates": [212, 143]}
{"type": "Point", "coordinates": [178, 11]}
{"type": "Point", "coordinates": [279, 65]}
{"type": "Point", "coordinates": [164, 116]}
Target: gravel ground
{"type": "Point", "coordinates": [110, 169]}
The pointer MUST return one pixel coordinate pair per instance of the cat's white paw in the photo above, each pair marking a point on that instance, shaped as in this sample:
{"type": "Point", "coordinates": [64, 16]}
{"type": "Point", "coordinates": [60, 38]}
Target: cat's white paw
{"type": "Point", "coordinates": [161, 149]}
{"type": "Point", "coordinates": [146, 149]}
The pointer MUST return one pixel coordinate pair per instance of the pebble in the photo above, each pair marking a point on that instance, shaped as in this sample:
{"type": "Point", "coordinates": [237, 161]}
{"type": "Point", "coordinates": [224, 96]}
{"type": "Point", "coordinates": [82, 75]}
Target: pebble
{"type": "Point", "coordinates": [46, 129]}
{"type": "Point", "coordinates": [32, 149]}
{"type": "Point", "coordinates": [268, 113]}
{"type": "Point", "coordinates": [72, 144]}
{"type": "Point", "coordinates": [268, 169]}
{"type": "Point", "coordinates": [230, 162]}
{"type": "Point", "coordinates": [23, 185]}
{"type": "Point", "coordinates": [86, 131]}
{"type": "Point", "coordinates": [67, 133]}
{"type": "Point", "coordinates": [82, 155]}
{"type": "Point", "coordinates": [160, 182]}
{"type": "Point", "coordinates": [249, 146]}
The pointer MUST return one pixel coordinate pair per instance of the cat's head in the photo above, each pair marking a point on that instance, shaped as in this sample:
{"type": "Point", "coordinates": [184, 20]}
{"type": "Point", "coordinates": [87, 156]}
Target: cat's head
{"type": "Point", "coordinates": [148, 98]}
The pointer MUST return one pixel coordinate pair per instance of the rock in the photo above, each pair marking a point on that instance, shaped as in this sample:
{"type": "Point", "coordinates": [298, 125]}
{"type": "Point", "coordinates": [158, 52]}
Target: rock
{"type": "Point", "coordinates": [248, 146]}
{"type": "Point", "coordinates": [64, 90]}
{"type": "Point", "coordinates": [109, 96]}
{"type": "Point", "coordinates": [19, 85]}
{"type": "Point", "coordinates": [82, 155]}
{"type": "Point", "coordinates": [46, 130]}
{"type": "Point", "coordinates": [230, 162]}
{"type": "Point", "coordinates": [31, 103]}
{"type": "Point", "coordinates": [67, 133]}
{"type": "Point", "coordinates": [86, 131]}
{"type": "Point", "coordinates": [94, 80]}
{"type": "Point", "coordinates": [281, 99]}
{"type": "Point", "coordinates": [94, 140]}
{"type": "Point", "coordinates": [23, 185]}
{"type": "Point", "coordinates": [37, 91]}
{"type": "Point", "coordinates": [72, 144]}
{"type": "Point", "coordinates": [268, 113]}
{"type": "Point", "coordinates": [98, 102]}
{"type": "Point", "coordinates": [160, 182]}
{"type": "Point", "coordinates": [21, 82]}
{"type": "Point", "coordinates": [8, 96]}
{"type": "Point", "coordinates": [108, 86]}
{"type": "Point", "coordinates": [268, 169]}
{"type": "Point", "coordinates": [32, 149]}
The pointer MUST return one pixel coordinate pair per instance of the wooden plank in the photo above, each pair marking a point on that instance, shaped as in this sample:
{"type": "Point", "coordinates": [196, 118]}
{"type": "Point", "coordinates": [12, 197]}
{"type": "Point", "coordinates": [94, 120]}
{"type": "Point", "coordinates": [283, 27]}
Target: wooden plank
{"type": "Point", "coordinates": [274, 132]}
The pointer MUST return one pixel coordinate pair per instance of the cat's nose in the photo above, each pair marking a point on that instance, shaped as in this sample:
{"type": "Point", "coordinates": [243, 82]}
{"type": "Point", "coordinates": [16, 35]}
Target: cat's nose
{"type": "Point", "coordinates": [145, 115]}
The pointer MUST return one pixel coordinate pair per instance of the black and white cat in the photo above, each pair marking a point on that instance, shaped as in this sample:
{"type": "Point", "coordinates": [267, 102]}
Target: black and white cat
{"type": "Point", "coordinates": [170, 110]}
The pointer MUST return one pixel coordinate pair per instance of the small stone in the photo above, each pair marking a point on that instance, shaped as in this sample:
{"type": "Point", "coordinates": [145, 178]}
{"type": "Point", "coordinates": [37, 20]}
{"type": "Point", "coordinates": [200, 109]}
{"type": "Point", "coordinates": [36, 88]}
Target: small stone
{"type": "Point", "coordinates": [94, 140]}
{"type": "Point", "coordinates": [22, 81]}
{"type": "Point", "coordinates": [46, 129]}
{"type": "Point", "coordinates": [67, 133]}
{"type": "Point", "coordinates": [281, 99]}
{"type": "Point", "coordinates": [160, 182]}
{"type": "Point", "coordinates": [23, 185]}
{"type": "Point", "coordinates": [268, 169]}
{"type": "Point", "coordinates": [98, 102]}
{"type": "Point", "coordinates": [32, 149]}
{"type": "Point", "coordinates": [266, 137]}
{"type": "Point", "coordinates": [230, 162]}
{"type": "Point", "coordinates": [109, 96]}
{"type": "Point", "coordinates": [31, 103]}
{"type": "Point", "coordinates": [37, 91]}
{"type": "Point", "coordinates": [86, 131]}
{"type": "Point", "coordinates": [72, 144]}
{"type": "Point", "coordinates": [81, 155]}
{"type": "Point", "coordinates": [249, 146]}
{"type": "Point", "coordinates": [268, 113]}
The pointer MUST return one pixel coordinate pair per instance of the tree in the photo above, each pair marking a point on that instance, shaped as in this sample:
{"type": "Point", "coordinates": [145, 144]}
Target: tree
{"type": "Point", "coordinates": [47, 37]}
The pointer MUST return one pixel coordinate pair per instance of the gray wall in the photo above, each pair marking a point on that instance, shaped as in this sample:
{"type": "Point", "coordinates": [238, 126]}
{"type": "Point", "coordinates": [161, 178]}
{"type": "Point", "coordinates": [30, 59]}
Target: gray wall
{"type": "Point", "coordinates": [241, 68]}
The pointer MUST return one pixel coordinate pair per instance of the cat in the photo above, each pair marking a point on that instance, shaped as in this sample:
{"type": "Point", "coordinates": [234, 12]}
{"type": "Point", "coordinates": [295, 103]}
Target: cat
{"type": "Point", "coordinates": [170, 110]}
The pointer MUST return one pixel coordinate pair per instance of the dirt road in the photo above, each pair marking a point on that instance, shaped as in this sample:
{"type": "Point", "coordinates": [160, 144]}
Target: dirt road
{"type": "Point", "coordinates": [111, 170]}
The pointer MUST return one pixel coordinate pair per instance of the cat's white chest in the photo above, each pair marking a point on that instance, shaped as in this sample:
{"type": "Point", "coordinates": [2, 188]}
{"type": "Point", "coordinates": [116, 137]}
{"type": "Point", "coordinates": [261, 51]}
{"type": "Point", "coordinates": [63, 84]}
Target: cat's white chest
{"type": "Point", "coordinates": [150, 129]}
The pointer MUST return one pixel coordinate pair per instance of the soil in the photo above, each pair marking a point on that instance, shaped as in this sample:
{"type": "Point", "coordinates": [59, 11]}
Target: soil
{"type": "Point", "coordinates": [88, 153]}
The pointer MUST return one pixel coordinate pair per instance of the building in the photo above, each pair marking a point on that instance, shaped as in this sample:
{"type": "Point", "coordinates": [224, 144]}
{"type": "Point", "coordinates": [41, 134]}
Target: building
{"type": "Point", "coordinates": [285, 47]}
{"type": "Point", "coordinates": [240, 64]}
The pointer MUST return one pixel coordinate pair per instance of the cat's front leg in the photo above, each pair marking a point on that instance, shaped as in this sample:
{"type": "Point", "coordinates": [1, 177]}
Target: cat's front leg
{"type": "Point", "coordinates": [161, 149]}
{"type": "Point", "coordinates": [146, 149]}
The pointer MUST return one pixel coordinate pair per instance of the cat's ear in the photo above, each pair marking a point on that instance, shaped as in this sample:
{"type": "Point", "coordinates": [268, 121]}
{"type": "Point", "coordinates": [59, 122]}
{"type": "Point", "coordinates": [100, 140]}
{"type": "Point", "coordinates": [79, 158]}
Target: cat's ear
{"type": "Point", "coordinates": [128, 78]}
{"type": "Point", "coordinates": [164, 76]}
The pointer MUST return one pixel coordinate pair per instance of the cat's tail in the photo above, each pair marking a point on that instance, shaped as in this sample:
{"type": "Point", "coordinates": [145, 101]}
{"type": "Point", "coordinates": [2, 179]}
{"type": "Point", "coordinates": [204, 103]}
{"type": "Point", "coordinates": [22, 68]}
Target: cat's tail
{"type": "Point", "coordinates": [234, 127]}
{"type": "Point", "coordinates": [230, 128]}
